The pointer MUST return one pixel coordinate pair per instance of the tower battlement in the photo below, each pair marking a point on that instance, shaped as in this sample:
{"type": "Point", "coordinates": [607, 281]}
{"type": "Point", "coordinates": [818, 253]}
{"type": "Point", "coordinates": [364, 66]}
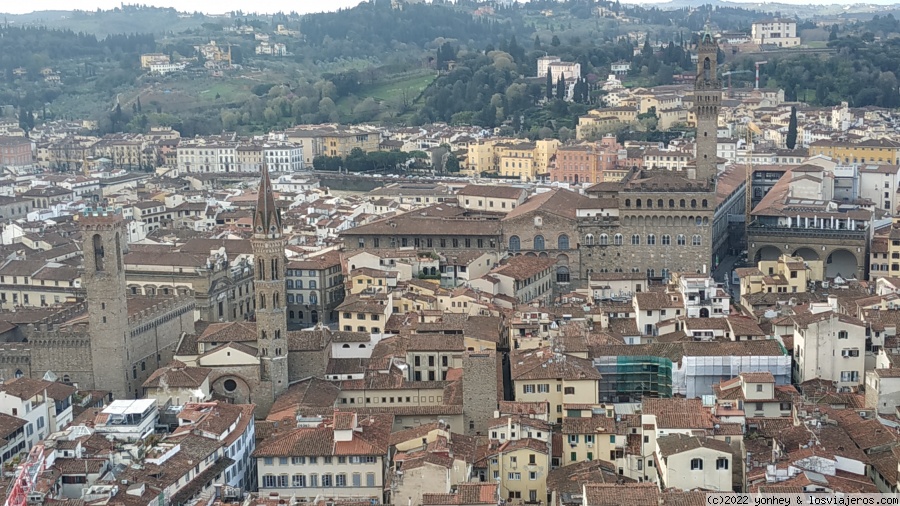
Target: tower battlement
{"type": "Point", "coordinates": [100, 218]}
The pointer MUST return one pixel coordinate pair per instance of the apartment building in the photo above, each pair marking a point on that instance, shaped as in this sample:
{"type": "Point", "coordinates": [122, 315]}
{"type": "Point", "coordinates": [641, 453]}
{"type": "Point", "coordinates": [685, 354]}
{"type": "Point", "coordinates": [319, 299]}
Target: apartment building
{"type": "Point", "coordinates": [344, 458]}
{"type": "Point", "coordinates": [14, 441]}
{"type": "Point", "coordinates": [588, 438]}
{"type": "Point", "coordinates": [365, 312]}
{"type": "Point", "coordinates": [520, 467]}
{"type": "Point", "coordinates": [829, 346]}
{"type": "Point", "coordinates": [231, 424]}
{"type": "Point", "coordinates": [36, 283]}
{"type": "Point", "coordinates": [787, 274]}
{"type": "Point", "coordinates": [557, 378]}
{"type": "Point", "coordinates": [315, 288]}
{"type": "Point", "coordinates": [693, 462]}
{"type": "Point", "coordinates": [753, 394]}
{"type": "Point", "coordinates": [44, 406]}
{"type": "Point", "coordinates": [872, 151]}
{"type": "Point", "coordinates": [522, 278]}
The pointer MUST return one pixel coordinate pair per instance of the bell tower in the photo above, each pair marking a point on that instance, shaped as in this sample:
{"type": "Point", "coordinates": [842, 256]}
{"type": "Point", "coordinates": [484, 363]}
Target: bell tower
{"type": "Point", "coordinates": [268, 245]}
{"type": "Point", "coordinates": [104, 242]}
{"type": "Point", "coordinates": [707, 101]}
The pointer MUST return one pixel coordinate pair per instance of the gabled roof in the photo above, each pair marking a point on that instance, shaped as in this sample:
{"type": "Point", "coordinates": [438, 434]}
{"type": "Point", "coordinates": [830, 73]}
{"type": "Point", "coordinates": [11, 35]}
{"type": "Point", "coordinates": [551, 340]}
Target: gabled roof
{"type": "Point", "coordinates": [177, 375]}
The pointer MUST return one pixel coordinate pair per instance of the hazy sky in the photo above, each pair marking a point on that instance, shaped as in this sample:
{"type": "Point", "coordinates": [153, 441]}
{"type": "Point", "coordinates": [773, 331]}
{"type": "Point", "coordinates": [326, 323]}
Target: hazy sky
{"type": "Point", "coordinates": [209, 6]}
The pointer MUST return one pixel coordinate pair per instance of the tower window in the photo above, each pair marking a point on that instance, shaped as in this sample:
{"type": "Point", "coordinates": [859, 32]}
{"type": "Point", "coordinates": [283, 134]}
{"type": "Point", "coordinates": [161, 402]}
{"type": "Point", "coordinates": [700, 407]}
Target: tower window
{"type": "Point", "coordinates": [98, 252]}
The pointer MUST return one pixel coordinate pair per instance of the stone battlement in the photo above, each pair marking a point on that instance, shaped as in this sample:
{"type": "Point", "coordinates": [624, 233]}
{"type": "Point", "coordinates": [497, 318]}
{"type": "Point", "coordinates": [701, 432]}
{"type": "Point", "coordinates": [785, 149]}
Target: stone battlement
{"type": "Point", "coordinates": [100, 217]}
{"type": "Point", "coordinates": [162, 308]}
{"type": "Point", "coordinates": [51, 335]}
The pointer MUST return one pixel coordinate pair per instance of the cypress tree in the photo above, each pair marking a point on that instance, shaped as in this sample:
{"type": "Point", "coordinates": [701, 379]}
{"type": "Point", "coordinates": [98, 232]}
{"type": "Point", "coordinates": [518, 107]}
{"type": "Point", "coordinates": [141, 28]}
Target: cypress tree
{"type": "Point", "coordinates": [549, 84]}
{"type": "Point", "coordinates": [791, 139]}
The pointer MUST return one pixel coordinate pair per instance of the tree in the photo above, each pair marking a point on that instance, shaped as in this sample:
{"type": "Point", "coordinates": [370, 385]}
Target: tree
{"type": "Point", "coordinates": [555, 41]}
{"type": "Point", "coordinates": [537, 42]}
{"type": "Point", "coordinates": [561, 87]}
{"type": "Point", "coordinates": [452, 163]}
{"type": "Point", "coordinates": [791, 139]}
{"type": "Point", "coordinates": [647, 50]}
{"type": "Point", "coordinates": [549, 84]}
{"type": "Point", "coordinates": [834, 33]}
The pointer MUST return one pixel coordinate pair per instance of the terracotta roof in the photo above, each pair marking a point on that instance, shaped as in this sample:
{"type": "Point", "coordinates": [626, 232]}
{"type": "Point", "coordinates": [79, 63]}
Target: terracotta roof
{"type": "Point", "coordinates": [680, 443]}
{"type": "Point", "coordinates": [677, 413]}
{"type": "Point", "coordinates": [632, 494]}
{"type": "Point", "coordinates": [177, 375]}
{"type": "Point", "coordinates": [311, 396]}
{"type": "Point", "coordinates": [545, 364]}
{"type": "Point", "coordinates": [371, 438]}
{"type": "Point", "coordinates": [500, 191]}
{"type": "Point", "coordinates": [228, 332]}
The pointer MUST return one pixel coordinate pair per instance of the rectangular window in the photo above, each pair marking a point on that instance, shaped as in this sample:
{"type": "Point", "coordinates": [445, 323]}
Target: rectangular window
{"type": "Point", "coordinates": [370, 479]}
{"type": "Point", "coordinates": [573, 456]}
{"type": "Point", "coordinates": [528, 389]}
{"type": "Point", "coordinates": [514, 476]}
{"type": "Point", "coordinates": [722, 463]}
{"type": "Point", "coordinates": [340, 480]}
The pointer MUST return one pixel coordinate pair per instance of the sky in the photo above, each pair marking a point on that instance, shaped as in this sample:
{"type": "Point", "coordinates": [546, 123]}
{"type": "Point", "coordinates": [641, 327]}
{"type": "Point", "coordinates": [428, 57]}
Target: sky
{"type": "Point", "coordinates": [207, 6]}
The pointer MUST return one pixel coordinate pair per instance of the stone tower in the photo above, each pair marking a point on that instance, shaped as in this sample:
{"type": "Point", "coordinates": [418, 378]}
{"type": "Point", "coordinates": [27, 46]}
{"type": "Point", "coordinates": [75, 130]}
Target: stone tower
{"type": "Point", "coordinates": [271, 324]}
{"type": "Point", "coordinates": [707, 100]}
{"type": "Point", "coordinates": [105, 242]}
{"type": "Point", "coordinates": [479, 386]}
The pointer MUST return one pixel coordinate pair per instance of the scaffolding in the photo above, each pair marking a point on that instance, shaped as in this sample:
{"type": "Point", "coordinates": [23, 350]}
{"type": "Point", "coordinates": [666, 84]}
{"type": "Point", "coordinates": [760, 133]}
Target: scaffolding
{"type": "Point", "coordinates": [631, 378]}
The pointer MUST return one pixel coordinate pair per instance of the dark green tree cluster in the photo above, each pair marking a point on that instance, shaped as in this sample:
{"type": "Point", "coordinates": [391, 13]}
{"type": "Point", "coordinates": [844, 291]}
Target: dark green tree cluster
{"type": "Point", "coordinates": [360, 161]}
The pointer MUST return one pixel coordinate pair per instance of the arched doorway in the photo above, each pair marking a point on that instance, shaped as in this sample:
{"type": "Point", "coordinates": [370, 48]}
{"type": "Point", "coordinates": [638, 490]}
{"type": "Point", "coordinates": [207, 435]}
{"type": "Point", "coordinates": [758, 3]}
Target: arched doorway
{"type": "Point", "coordinates": [704, 312]}
{"type": "Point", "coordinates": [841, 263]}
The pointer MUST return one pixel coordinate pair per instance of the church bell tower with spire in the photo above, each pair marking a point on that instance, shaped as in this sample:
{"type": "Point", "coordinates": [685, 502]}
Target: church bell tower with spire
{"type": "Point", "coordinates": [707, 101]}
{"type": "Point", "coordinates": [268, 244]}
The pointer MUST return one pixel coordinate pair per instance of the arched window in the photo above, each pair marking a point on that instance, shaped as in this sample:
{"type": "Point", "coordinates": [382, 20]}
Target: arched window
{"type": "Point", "coordinates": [693, 203]}
{"type": "Point", "coordinates": [604, 239]}
{"type": "Point", "coordinates": [589, 239]}
{"type": "Point", "coordinates": [563, 242]}
{"type": "Point", "coordinates": [659, 202]}
{"type": "Point", "coordinates": [290, 313]}
{"type": "Point", "coordinates": [98, 252]}
{"type": "Point", "coordinates": [617, 239]}
{"type": "Point", "coordinates": [299, 315]}
{"type": "Point", "coordinates": [651, 273]}
{"type": "Point", "coordinates": [19, 373]}
{"type": "Point", "coordinates": [346, 346]}
{"type": "Point", "coordinates": [649, 203]}
{"type": "Point", "coordinates": [539, 243]}
{"type": "Point", "coordinates": [276, 300]}
{"type": "Point", "coordinates": [681, 240]}
{"type": "Point", "coordinates": [681, 203]}
{"type": "Point", "coordinates": [312, 285]}
{"type": "Point", "coordinates": [627, 202]}
{"type": "Point", "coordinates": [637, 203]}
{"type": "Point", "coordinates": [314, 316]}
{"type": "Point", "coordinates": [635, 239]}
{"type": "Point", "coordinates": [514, 243]}
{"type": "Point", "coordinates": [651, 239]}
{"type": "Point", "coordinates": [665, 274]}
{"type": "Point", "coordinates": [313, 299]}
{"type": "Point", "coordinates": [66, 378]}
{"type": "Point", "coordinates": [262, 301]}
{"type": "Point", "coordinates": [704, 203]}
{"type": "Point", "coordinates": [666, 240]}
{"type": "Point", "coordinates": [671, 202]}
{"type": "Point", "coordinates": [562, 274]}
{"type": "Point", "coordinates": [299, 284]}
{"type": "Point", "coordinates": [696, 240]}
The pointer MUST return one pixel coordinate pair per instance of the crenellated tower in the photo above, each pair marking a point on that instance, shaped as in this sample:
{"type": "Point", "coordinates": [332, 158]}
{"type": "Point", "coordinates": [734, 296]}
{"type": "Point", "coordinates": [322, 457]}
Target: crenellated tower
{"type": "Point", "coordinates": [104, 242]}
{"type": "Point", "coordinates": [268, 244]}
{"type": "Point", "coordinates": [707, 100]}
